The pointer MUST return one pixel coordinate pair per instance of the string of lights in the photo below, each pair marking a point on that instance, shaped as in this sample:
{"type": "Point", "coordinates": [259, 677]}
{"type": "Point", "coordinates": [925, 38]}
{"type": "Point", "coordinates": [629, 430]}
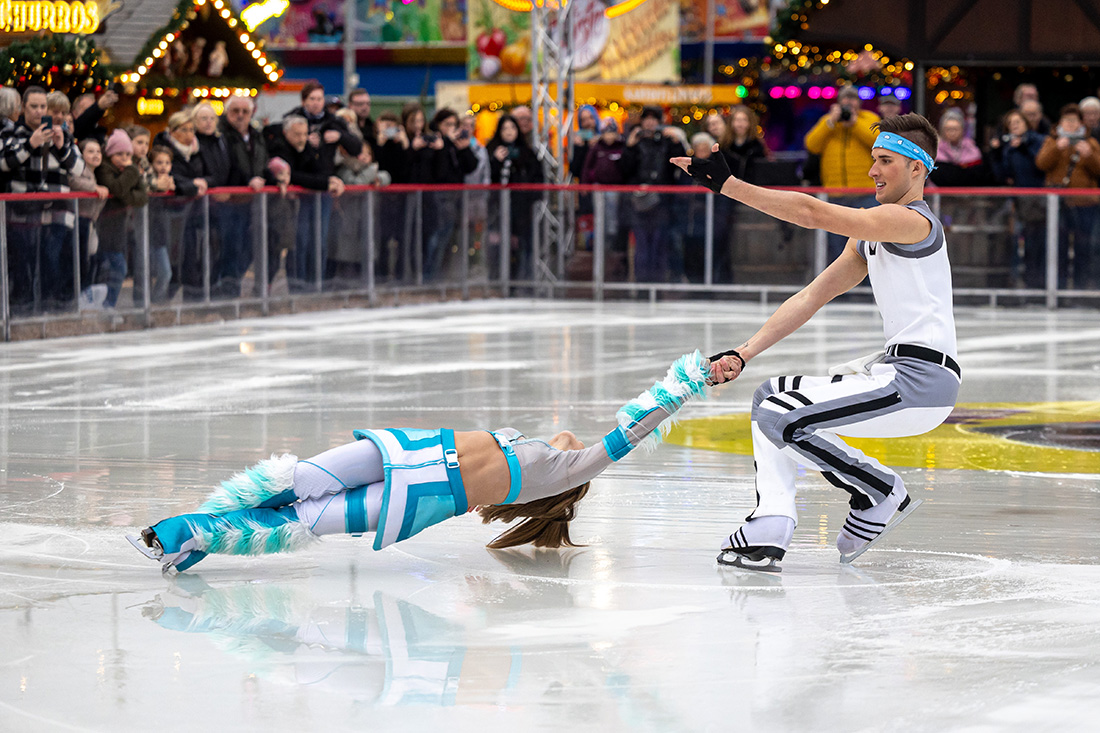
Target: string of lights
{"type": "Point", "coordinates": [186, 12]}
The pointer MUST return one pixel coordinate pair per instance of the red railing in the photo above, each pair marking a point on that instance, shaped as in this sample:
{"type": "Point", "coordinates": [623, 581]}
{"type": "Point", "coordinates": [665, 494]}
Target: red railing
{"type": "Point", "coordinates": [578, 188]}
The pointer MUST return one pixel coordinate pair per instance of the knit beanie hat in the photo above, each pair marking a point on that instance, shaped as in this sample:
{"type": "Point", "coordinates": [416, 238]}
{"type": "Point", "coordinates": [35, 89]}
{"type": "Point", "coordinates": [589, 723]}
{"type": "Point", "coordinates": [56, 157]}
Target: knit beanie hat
{"type": "Point", "coordinates": [118, 142]}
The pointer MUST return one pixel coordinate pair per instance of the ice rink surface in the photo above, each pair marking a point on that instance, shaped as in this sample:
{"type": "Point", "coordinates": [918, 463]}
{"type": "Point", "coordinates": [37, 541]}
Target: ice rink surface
{"type": "Point", "coordinates": [980, 613]}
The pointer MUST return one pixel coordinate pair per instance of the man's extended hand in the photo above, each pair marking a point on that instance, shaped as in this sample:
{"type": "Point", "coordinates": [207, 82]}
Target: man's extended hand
{"type": "Point", "coordinates": [725, 367]}
{"type": "Point", "coordinates": [712, 172]}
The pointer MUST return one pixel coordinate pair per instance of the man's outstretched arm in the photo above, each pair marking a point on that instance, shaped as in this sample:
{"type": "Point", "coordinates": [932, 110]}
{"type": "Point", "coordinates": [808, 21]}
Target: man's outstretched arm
{"type": "Point", "coordinates": [884, 223]}
{"type": "Point", "coordinates": [842, 275]}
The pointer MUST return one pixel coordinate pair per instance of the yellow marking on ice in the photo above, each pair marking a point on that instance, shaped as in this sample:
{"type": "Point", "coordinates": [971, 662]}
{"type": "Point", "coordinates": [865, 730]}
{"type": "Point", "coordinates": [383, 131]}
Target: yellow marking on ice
{"type": "Point", "coordinates": [955, 444]}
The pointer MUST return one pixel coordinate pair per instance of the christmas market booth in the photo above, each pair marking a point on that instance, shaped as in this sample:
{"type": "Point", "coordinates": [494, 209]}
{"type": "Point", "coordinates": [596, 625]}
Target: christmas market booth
{"type": "Point", "coordinates": [205, 52]}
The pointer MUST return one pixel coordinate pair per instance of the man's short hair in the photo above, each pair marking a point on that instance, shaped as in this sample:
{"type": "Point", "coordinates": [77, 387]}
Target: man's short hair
{"type": "Point", "coordinates": [357, 92]}
{"type": "Point", "coordinates": [33, 90]}
{"type": "Point", "coordinates": [914, 128]}
{"type": "Point", "coordinates": [702, 138]}
{"type": "Point", "coordinates": [1089, 103]}
{"type": "Point", "coordinates": [293, 120]}
{"type": "Point", "coordinates": [58, 102]}
{"type": "Point", "coordinates": [440, 116]}
{"type": "Point", "coordinates": [847, 92]}
{"type": "Point", "coordinates": [389, 117]}
{"type": "Point", "coordinates": [310, 87]}
{"type": "Point", "coordinates": [83, 101]}
{"type": "Point", "coordinates": [236, 98]}
{"type": "Point", "coordinates": [1018, 92]}
{"type": "Point", "coordinates": [1070, 109]}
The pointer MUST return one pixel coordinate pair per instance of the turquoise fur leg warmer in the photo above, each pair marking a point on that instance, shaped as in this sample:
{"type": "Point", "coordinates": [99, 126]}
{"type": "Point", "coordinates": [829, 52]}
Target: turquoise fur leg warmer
{"type": "Point", "coordinates": [252, 532]}
{"type": "Point", "coordinates": [265, 484]}
{"type": "Point", "coordinates": [686, 379]}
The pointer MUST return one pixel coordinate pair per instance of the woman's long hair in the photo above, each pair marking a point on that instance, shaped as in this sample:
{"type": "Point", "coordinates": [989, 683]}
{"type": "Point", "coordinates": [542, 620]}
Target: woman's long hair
{"type": "Point", "coordinates": [545, 521]}
{"type": "Point", "coordinates": [496, 140]}
{"type": "Point", "coordinates": [728, 136]}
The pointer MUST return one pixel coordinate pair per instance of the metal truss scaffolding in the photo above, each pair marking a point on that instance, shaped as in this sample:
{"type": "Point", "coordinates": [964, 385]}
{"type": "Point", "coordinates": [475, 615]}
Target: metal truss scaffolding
{"type": "Point", "coordinates": [552, 105]}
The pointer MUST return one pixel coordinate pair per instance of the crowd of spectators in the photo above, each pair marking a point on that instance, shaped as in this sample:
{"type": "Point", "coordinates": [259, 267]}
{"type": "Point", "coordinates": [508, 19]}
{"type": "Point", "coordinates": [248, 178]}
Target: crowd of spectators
{"type": "Point", "coordinates": [1027, 150]}
{"type": "Point", "coordinates": [199, 241]}
{"type": "Point", "coordinates": [49, 144]}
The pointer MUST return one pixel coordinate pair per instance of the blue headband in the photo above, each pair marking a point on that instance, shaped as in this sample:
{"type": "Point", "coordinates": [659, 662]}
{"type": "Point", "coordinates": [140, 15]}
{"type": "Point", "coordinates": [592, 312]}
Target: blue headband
{"type": "Point", "coordinates": [908, 148]}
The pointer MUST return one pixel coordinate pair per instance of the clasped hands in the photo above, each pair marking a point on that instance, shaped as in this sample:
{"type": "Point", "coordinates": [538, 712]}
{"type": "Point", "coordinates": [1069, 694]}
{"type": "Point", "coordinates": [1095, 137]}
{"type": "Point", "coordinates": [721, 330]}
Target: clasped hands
{"type": "Point", "coordinates": [725, 367]}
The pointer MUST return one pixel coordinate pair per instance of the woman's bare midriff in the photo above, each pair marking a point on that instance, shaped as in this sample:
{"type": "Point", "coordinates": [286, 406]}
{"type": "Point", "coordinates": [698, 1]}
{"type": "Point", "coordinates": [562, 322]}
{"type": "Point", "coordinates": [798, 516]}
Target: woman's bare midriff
{"type": "Point", "coordinates": [483, 466]}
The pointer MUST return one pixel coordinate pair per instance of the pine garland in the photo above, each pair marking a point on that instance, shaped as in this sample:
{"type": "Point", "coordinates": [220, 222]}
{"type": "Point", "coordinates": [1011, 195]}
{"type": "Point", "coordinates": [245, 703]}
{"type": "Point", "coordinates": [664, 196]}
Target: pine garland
{"type": "Point", "coordinates": [55, 63]}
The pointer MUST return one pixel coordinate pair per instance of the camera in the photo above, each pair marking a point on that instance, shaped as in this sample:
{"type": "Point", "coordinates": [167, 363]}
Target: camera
{"type": "Point", "coordinates": [389, 133]}
{"type": "Point", "coordinates": [463, 134]}
{"type": "Point", "coordinates": [430, 137]}
{"type": "Point", "coordinates": [1006, 139]}
{"type": "Point", "coordinates": [47, 120]}
{"type": "Point", "coordinates": [845, 113]}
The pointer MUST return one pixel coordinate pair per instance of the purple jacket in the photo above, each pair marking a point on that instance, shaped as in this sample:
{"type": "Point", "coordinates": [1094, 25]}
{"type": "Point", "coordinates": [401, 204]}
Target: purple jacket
{"type": "Point", "coordinates": [603, 164]}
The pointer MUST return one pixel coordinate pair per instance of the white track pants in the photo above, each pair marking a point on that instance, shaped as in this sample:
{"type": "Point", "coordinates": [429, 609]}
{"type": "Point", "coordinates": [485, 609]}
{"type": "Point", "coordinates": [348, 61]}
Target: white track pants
{"type": "Point", "coordinates": [798, 421]}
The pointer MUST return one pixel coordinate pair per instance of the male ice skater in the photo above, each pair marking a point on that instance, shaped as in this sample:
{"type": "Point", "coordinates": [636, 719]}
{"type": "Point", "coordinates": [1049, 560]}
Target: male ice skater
{"type": "Point", "coordinates": [908, 389]}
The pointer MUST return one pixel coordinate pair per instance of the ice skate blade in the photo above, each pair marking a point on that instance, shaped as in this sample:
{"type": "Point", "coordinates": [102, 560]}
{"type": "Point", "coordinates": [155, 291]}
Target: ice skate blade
{"type": "Point", "coordinates": [149, 552]}
{"type": "Point", "coordinates": [739, 562]}
{"type": "Point", "coordinates": [913, 504]}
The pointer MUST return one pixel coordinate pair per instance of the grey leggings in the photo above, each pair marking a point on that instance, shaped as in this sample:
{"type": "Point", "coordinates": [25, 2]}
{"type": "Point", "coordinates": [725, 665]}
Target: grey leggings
{"type": "Point", "coordinates": [325, 483]}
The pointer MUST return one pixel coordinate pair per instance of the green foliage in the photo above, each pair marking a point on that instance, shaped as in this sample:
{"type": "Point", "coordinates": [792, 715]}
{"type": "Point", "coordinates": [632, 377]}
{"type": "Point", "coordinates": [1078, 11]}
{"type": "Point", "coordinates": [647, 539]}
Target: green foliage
{"type": "Point", "coordinates": [789, 20]}
{"type": "Point", "coordinates": [55, 62]}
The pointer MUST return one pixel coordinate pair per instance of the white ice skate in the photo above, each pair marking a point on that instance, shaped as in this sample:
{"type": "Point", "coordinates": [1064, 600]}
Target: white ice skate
{"type": "Point", "coordinates": [148, 544]}
{"type": "Point", "coordinates": [758, 545]}
{"type": "Point", "coordinates": [861, 532]}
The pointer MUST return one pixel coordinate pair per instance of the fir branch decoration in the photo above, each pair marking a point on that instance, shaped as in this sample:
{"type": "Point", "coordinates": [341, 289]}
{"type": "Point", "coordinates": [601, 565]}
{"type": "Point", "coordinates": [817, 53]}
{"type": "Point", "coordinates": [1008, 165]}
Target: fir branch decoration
{"type": "Point", "coordinates": [55, 62]}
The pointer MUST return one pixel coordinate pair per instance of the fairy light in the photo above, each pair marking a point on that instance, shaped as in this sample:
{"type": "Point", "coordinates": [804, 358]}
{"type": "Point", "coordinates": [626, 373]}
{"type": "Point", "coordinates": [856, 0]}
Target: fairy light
{"type": "Point", "coordinates": [269, 68]}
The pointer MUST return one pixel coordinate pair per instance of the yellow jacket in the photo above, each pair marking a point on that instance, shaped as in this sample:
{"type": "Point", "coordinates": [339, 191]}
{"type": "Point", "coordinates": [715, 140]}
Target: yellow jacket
{"type": "Point", "coordinates": [845, 151]}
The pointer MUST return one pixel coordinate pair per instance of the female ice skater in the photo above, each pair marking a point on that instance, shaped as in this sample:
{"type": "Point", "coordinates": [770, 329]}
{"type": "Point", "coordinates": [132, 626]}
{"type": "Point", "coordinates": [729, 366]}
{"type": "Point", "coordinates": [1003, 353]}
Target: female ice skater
{"type": "Point", "coordinates": [395, 482]}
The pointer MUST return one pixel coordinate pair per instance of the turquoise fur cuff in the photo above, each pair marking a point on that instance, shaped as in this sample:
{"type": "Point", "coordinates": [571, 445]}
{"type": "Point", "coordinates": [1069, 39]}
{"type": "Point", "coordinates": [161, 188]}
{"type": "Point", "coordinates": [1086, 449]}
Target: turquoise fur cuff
{"type": "Point", "coordinates": [686, 379]}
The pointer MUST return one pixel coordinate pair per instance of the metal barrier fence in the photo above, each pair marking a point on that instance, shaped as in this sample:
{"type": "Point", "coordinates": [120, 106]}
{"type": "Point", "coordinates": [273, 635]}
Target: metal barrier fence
{"type": "Point", "coordinates": [236, 245]}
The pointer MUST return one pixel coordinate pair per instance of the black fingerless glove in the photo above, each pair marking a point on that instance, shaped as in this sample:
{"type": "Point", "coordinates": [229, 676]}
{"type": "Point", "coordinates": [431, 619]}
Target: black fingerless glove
{"type": "Point", "coordinates": [711, 172]}
{"type": "Point", "coordinates": [731, 352]}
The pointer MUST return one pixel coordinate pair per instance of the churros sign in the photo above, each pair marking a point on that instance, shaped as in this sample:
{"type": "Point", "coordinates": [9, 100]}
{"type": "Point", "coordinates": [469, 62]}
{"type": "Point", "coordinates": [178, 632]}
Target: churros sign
{"type": "Point", "coordinates": [22, 16]}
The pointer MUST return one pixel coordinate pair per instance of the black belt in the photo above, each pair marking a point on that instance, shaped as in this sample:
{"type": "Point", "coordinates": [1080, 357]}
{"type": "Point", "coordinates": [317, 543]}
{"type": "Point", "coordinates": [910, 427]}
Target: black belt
{"type": "Point", "coordinates": [925, 354]}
